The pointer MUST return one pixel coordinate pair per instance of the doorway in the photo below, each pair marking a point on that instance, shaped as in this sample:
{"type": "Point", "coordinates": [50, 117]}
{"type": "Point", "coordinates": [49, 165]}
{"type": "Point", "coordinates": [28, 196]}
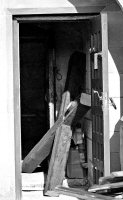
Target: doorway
{"type": "Point", "coordinates": [47, 52]}
{"type": "Point", "coordinates": [52, 40]}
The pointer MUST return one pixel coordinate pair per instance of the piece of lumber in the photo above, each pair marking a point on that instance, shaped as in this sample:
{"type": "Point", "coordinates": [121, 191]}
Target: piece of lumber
{"type": "Point", "coordinates": [65, 103]}
{"type": "Point", "coordinates": [61, 133]}
{"type": "Point", "coordinates": [106, 187]}
{"type": "Point", "coordinates": [80, 193]}
{"type": "Point", "coordinates": [56, 172]}
{"type": "Point", "coordinates": [42, 149]}
{"type": "Point", "coordinates": [112, 178]}
{"type": "Point", "coordinates": [117, 174]}
{"type": "Point", "coordinates": [85, 99]}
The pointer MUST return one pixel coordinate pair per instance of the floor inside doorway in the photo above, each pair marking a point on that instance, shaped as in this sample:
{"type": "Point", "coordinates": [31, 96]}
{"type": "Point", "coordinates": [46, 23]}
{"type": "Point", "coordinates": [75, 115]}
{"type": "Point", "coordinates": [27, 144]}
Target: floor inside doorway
{"type": "Point", "coordinates": [33, 186]}
{"type": "Point", "coordinates": [37, 195]}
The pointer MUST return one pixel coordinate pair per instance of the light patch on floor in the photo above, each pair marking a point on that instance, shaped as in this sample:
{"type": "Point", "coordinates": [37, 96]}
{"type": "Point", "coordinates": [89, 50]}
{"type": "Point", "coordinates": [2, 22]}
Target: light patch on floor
{"type": "Point", "coordinates": [33, 186]}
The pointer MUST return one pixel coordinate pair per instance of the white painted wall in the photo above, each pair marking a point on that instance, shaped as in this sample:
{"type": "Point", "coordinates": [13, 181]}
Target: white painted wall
{"type": "Point", "coordinates": [8, 180]}
{"type": "Point", "coordinates": [7, 156]}
{"type": "Point", "coordinates": [115, 25]}
{"type": "Point", "coordinates": [7, 169]}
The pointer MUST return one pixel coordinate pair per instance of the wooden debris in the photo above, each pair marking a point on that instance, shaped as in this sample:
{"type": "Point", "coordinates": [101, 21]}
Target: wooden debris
{"type": "Point", "coordinates": [56, 172]}
{"type": "Point", "coordinates": [110, 188]}
{"type": "Point", "coordinates": [85, 99]}
{"type": "Point", "coordinates": [60, 150]}
{"type": "Point", "coordinates": [65, 103]}
{"type": "Point", "coordinates": [113, 178]}
{"type": "Point", "coordinates": [81, 194]}
{"type": "Point", "coordinates": [42, 149]}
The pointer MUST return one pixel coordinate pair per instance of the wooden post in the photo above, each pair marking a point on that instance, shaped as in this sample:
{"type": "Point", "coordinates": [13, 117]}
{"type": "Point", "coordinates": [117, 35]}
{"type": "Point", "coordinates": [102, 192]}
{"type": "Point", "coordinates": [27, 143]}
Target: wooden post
{"type": "Point", "coordinates": [63, 108]}
{"type": "Point", "coordinates": [56, 172]}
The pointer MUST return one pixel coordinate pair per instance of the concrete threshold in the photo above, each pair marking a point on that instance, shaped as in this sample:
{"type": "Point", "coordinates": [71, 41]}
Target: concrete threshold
{"type": "Point", "coordinates": [33, 186]}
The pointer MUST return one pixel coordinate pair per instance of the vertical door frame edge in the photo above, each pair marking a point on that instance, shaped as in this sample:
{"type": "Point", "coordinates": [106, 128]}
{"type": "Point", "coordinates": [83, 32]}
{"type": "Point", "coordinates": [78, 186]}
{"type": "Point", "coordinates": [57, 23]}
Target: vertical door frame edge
{"type": "Point", "coordinates": [104, 24]}
{"type": "Point", "coordinates": [17, 117]}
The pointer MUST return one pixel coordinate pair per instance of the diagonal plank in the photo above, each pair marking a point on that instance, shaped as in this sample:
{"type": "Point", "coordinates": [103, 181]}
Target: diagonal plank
{"type": "Point", "coordinates": [42, 149]}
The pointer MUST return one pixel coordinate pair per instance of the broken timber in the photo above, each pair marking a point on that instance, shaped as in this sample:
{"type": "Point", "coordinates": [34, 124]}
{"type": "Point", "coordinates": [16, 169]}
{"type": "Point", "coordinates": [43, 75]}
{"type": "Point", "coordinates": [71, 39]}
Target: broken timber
{"type": "Point", "coordinates": [60, 149]}
{"type": "Point", "coordinates": [80, 194]}
{"type": "Point", "coordinates": [42, 149]}
{"type": "Point", "coordinates": [56, 172]}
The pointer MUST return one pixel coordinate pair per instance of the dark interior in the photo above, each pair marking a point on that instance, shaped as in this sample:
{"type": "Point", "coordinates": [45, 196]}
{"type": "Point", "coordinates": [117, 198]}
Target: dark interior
{"type": "Point", "coordinates": [33, 57]}
{"type": "Point", "coordinates": [35, 41]}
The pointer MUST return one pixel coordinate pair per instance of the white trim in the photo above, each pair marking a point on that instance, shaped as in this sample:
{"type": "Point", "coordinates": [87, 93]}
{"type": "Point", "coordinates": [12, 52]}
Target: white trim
{"type": "Point", "coordinates": [17, 117]}
{"type": "Point", "coordinates": [105, 94]}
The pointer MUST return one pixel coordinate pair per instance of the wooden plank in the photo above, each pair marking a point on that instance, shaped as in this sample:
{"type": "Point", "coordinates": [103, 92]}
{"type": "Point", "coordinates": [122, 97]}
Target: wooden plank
{"type": "Point", "coordinates": [85, 99]}
{"type": "Point", "coordinates": [113, 178]}
{"type": "Point", "coordinates": [81, 194]}
{"type": "Point", "coordinates": [59, 135]}
{"type": "Point", "coordinates": [59, 157]}
{"type": "Point", "coordinates": [42, 149]}
{"type": "Point", "coordinates": [65, 102]}
{"type": "Point", "coordinates": [108, 187]}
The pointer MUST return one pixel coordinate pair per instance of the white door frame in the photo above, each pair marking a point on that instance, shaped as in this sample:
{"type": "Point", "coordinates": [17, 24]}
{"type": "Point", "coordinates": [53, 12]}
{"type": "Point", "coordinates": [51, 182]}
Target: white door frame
{"type": "Point", "coordinates": [17, 117]}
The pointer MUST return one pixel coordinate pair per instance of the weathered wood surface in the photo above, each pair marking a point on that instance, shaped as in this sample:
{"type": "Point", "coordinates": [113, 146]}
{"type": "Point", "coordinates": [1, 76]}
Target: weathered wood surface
{"type": "Point", "coordinates": [81, 194]}
{"type": "Point", "coordinates": [109, 186]}
{"type": "Point", "coordinates": [59, 157]}
{"type": "Point", "coordinates": [85, 99]}
{"type": "Point", "coordinates": [65, 102]}
{"type": "Point", "coordinates": [42, 149]}
{"type": "Point", "coordinates": [62, 133]}
{"type": "Point", "coordinates": [113, 178]}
